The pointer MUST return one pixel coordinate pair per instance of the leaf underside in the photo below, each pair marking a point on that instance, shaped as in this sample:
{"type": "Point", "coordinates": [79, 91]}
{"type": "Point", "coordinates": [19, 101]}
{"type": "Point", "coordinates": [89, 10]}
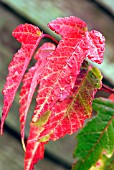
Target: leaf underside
{"type": "Point", "coordinates": [97, 136]}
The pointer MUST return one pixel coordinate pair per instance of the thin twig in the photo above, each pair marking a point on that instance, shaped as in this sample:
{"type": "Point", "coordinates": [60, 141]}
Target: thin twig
{"type": "Point", "coordinates": [107, 89]}
{"type": "Point", "coordinates": [52, 38]}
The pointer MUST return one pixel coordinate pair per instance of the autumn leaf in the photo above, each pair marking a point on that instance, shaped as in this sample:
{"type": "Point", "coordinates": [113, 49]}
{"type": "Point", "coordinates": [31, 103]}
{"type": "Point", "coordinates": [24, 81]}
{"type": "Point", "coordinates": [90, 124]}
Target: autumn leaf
{"type": "Point", "coordinates": [97, 136]}
{"type": "Point", "coordinates": [35, 149]}
{"type": "Point", "coordinates": [63, 65]}
{"type": "Point", "coordinates": [66, 87]}
{"type": "Point", "coordinates": [93, 42]}
{"type": "Point", "coordinates": [95, 46]}
{"type": "Point", "coordinates": [30, 82]}
{"type": "Point", "coordinates": [65, 117]}
{"type": "Point", "coordinates": [29, 36]}
{"type": "Point", "coordinates": [111, 97]}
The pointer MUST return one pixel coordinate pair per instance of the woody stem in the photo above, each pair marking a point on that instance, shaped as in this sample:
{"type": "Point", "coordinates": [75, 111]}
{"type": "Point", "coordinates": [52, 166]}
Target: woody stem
{"type": "Point", "coordinates": [52, 38]}
{"type": "Point", "coordinates": [107, 89]}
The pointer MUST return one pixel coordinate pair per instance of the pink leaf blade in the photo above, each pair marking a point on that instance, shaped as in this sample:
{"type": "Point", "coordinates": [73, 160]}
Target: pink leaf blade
{"type": "Point", "coordinates": [38, 155]}
{"type": "Point", "coordinates": [95, 42]}
{"type": "Point", "coordinates": [111, 97]}
{"type": "Point", "coordinates": [44, 51]}
{"type": "Point", "coordinates": [30, 82]}
{"type": "Point", "coordinates": [27, 33]}
{"type": "Point", "coordinates": [26, 94]}
{"type": "Point", "coordinates": [18, 65]}
{"type": "Point", "coordinates": [69, 115]}
{"type": "Point", "coordinates": [73, 26]}
{"type": "Point", "coordinates": [63, 65]}
{"type": "Point", "coordinates": [66, 116]}
{"type": "Point", "coordinates": [34, 150]}
{"type": "Point", "coordinates": [62, 68]}
{"type": "Point", "coordinates": [68, 26]}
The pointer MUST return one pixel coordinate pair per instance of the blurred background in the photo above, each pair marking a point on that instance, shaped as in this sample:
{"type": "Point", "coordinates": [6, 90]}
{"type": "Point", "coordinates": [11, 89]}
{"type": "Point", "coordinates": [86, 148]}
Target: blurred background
{"type": "Point", "coordinates": [99, 15]}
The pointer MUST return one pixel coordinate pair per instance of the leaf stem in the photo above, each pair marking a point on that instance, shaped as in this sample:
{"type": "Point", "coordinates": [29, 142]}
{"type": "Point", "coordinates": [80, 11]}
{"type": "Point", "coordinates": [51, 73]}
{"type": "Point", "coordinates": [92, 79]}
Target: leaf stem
{"type": "Point", "coordinates": [52, 38]}
{"type": "Point", "coordinates": [107, 89]}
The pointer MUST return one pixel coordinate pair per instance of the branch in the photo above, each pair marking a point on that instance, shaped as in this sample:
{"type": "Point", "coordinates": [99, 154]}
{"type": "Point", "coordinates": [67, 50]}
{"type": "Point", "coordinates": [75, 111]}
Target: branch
{"type": "Point", "coordinates": [52, 38]}
{"type": "Point", "coordinates": [107, 89]}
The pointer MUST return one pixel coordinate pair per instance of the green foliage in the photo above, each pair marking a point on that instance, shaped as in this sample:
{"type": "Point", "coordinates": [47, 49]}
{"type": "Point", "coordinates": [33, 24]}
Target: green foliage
{"type": "Point", "coordinates": [108, 163]}
{"type": "Point", "coordinates": [97, 136]}
{"type": "Point", "coordinates": [104, 163]}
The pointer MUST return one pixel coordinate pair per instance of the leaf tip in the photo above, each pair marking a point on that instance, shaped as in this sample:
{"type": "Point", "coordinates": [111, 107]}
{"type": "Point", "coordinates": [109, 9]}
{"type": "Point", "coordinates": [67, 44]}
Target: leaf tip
{"type": "Point", "coordinates": [23, 144]}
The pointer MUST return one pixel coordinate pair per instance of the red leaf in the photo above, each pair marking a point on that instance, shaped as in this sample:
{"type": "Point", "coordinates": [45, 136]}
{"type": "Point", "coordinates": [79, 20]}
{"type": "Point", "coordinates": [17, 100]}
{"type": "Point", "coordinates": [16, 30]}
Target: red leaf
{"type": "Point", "coordinates": [65, 117]}
{"type": "Point", "coordinates": [65, 94]}
{"type": "Point", "coordinates": [69, 115]}
{"type": "Point", "coordinates": [111, 97]}
{"type": "Point", "coordinates": [37, 148]}
{"type": "Point", "coordinates": [63, 65]}
{"type": "Point", "coordinates": [95, 43]}
{"type": "Point", "coordinates": [70, 27]}
{"type": "Point", "coordinates": [29, 36]}
{"type": "Point", "coordinates": [30, 82]}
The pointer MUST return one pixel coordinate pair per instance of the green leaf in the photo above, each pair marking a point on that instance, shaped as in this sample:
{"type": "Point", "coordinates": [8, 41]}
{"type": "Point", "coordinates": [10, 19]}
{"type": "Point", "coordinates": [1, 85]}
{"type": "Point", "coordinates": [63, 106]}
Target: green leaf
{"type": "Point", "coordinates": [97, 136]}
{"type": "Point", "coordinates": [108, 163]}
{"type": "Point", "coordinates": [104, 163]}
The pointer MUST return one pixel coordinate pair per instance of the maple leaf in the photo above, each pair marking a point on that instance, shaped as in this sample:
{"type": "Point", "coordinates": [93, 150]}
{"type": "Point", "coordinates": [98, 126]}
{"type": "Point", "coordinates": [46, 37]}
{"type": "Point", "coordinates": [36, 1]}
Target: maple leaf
{"type": "Point", "coordinates": [29, 36]}
{"type": "Point", "coordinates": [30, 82]}
{"type": "Point", "coordinates": [63, 65]}
{"type": "Point", "coordinates": [97, 136]}
{"type": "Point", "coordinates": [65, 117]}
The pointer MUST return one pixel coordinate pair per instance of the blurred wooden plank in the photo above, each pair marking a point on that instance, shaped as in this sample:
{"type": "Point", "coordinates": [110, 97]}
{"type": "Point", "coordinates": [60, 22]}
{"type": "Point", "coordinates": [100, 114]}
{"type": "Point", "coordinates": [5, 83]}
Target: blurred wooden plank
{"type": "Point", "coordinates": [109, 4]}
{"type": "Point", "coordinates": [12, 155]}
{"type": "Point", "coordinates": [37, 11]}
